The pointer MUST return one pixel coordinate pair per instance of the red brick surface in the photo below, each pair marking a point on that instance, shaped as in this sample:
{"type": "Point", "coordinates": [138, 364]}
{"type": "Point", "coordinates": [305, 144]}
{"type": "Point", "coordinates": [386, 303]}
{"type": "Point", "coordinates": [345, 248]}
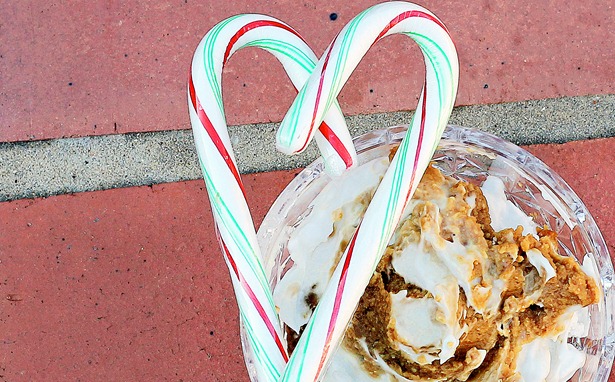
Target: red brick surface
{"type": "Point", "coordinates": [76, 69]}
{"type": "Point", "coordinates": [129, 284]}
{"type": "Point", "coordinates": [121, 285]}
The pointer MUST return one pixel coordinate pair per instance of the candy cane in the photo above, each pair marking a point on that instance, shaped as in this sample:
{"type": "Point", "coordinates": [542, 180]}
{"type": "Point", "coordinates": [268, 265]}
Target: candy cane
{"type": "Point", "coordinates": [234, 223]}
{"type": "Point", "coordinates": [328, 323]}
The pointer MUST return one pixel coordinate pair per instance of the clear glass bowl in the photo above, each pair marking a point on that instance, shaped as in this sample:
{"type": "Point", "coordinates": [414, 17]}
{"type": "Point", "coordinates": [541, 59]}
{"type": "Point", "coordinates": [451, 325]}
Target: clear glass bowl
{"type": "Point", "coordinates": [472, 155]}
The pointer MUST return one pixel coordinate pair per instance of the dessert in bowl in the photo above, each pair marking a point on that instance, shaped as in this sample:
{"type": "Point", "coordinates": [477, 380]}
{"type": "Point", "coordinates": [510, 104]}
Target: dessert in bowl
{"type": "Point", "coordinates": [478, 281]}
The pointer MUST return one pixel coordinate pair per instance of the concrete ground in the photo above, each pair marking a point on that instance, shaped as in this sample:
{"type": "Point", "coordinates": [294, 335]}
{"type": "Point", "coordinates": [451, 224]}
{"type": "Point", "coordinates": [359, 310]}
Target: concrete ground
{"type": "Point", "coordinates": [109, 267]}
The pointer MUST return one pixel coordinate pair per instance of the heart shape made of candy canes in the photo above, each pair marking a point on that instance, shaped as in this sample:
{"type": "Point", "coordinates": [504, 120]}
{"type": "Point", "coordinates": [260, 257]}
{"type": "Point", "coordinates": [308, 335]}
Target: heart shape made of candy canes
{"type": "Point", "coordinates": [319, 86]}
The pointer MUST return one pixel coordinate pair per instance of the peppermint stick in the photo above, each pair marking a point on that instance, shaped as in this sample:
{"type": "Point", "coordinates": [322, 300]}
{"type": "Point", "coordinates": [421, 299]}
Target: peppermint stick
{"type": "Point", "coordinates": [327, 325]}
{"type": "Point", "coordinates": [234, 223]}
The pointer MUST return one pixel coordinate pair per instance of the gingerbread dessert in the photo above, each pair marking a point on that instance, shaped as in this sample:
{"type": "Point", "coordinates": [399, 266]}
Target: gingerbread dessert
{"type": "Point", "coordinates": [453, 298]}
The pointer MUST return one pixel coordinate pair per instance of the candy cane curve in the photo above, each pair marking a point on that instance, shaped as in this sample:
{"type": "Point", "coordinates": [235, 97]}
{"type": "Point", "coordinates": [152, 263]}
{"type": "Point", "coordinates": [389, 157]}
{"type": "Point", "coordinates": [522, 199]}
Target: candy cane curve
{"type": "Point", "coordinates": [233, 220]}
{"type": "Point", "coordinates": [328, 322]}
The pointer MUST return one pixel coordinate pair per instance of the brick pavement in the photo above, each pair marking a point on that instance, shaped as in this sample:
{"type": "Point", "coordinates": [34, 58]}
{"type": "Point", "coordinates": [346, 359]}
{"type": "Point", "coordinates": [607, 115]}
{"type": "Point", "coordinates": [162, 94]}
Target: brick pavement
{"type": "Point", "coordinates": [128, 284]}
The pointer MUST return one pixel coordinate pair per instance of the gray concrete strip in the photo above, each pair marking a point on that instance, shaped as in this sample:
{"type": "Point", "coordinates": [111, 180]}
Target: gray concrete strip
{"type": "Point", "coordinates": [44, 168]}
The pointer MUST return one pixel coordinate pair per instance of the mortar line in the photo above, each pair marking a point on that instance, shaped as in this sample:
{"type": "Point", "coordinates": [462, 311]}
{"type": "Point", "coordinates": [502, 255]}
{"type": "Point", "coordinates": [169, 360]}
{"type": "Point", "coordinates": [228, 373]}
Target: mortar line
{"type": "Point", "coordinates": [68, 165]}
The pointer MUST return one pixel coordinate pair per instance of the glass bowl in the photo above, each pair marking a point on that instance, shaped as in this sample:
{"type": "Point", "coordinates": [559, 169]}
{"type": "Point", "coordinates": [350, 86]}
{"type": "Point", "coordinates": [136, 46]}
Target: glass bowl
{"type": "Point", "coordinates": [472, 155]}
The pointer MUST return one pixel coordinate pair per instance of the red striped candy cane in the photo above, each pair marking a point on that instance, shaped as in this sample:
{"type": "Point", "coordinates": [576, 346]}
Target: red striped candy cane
{"type": "Point", "coordinates": [225, 189]}
{"type": "Point", "coordinates": [329, 321]}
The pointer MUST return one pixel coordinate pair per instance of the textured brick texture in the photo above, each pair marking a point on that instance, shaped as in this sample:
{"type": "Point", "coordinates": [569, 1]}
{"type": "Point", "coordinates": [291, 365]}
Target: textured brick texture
{"type": "Point", "coordinates": [71, 69]}
{"type": "Point", "coordinates": [129, 284]}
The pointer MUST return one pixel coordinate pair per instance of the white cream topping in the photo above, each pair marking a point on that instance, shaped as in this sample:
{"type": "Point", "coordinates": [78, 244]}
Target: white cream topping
{"type": "Point", "coordinates": [579, 322]}
{"type": "Point", "coordinates": [565, 361]}
{"type": "Point", "coordinates": [441, 267]}
{"type": "Point", "coordinates": [549, 360]}
{"type": "Point", "coordinates": [419, 328]}
{"type": "Point", "coordinates": [346, 366]}
{"type": "Point", "coordinates": [504, 214]}
{"type": "Point", "coordinates": [315, 242]}
{"type": "Point", "coordinates": [541, 263]}
{"type": "Point", "coordinates": [425, 269]}
{"type": "Point", "coordinates": [554, 359]}
{"type": "Point", "coordinates": [533, 359]}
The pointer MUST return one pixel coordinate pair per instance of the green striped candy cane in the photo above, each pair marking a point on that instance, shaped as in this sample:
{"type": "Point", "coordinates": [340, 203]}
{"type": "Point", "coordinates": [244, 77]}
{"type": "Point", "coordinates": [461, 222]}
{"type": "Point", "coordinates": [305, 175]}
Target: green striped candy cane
{"type": "Point", "coordinates": [329, 321]}
{"type": "Point", "coordinates": [234, 223]}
